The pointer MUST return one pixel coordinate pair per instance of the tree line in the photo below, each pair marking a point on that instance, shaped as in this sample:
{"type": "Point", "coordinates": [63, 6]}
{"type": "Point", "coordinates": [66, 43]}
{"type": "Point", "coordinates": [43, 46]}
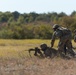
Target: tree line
{"type": "Point", "coordinates": [14, 25]}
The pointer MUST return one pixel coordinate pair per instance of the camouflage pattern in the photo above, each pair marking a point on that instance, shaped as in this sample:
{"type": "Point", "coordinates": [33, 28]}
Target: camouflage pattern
{"type": "Point", "coordinates": [48, 51]}
{"type": "Point", "coordinates": [64, 36]}
{"type": "Point", "coordinates": [45, 51]}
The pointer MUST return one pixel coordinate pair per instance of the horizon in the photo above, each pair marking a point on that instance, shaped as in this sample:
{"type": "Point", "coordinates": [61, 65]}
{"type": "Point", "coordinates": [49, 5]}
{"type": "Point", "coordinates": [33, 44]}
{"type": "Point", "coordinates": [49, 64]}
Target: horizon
{"type": "Point", "coordinates": [47, 6]}
{"type": "Point", "coordinates": [36, 12]}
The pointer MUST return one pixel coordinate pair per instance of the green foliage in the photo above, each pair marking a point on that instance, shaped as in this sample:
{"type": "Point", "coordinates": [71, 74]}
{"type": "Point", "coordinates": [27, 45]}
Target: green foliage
{"type": "Point", "coordinates": [20, 20]}
{"type": "Point", "coordinates": [14, 25]}
{"type": "Point", "coordinates": [6, 34]}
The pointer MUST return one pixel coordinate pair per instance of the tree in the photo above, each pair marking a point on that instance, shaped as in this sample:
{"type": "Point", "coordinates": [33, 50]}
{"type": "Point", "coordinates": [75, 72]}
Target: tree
{"type": "Point", "coordinates": [16, 15]}
{"type": "Point", "coordinates": [62, 14]}
{"type": "Point", "coordinates": [73, 14]}
{"type": "Point", "coordinates": [20, 20]}
{"type": "Point", "coordinates": [67, 21]}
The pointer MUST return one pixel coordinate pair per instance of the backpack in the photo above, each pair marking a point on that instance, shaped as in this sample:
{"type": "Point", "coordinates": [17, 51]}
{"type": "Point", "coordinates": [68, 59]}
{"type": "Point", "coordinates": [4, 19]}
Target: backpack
{"type": "Point", "coordinates": [65, 31]}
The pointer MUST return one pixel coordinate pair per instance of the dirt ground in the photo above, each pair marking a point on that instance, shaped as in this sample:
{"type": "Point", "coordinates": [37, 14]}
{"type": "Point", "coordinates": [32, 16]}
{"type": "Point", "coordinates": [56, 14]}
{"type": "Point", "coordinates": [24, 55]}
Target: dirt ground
{"type": "Point", "coordinates": [38, 66]}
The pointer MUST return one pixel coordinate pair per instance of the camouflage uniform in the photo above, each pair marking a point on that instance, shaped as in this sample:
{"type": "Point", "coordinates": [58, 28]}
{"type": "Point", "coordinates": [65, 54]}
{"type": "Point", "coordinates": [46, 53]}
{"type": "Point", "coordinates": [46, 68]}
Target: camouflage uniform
{"type": "Point", "coordinates": [64, 36]}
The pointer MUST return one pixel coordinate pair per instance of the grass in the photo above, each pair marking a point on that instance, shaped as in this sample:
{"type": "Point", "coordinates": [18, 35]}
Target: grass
{"type": "Point", "coordinates": [16, 48]}
{"type": "Point", "coordinates": [14, 60]}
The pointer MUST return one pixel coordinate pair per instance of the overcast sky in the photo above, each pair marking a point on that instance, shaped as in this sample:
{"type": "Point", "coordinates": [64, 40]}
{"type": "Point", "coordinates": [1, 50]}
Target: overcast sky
{"type": "Point", "coordinates": [38, 6]}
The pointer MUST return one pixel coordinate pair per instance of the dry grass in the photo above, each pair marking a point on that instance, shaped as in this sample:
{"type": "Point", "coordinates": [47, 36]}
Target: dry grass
{"type": "Point", "coordinates": [16, 48]}
{"type": "Point", "coordinates": [37, 66]}
{"type": "Point", "coordinates": [15, 61]}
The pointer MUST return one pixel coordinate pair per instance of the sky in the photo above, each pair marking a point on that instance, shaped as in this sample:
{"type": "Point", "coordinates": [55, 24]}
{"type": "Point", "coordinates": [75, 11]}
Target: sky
{"type": "Point", "coordinates": [38, 6]}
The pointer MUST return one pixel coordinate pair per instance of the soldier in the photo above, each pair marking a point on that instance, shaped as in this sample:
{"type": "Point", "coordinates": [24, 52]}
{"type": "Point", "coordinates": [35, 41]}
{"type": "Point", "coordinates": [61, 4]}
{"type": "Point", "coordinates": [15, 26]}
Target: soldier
{"type": "Point", "coordinates": [64, 36]}
{"type": "Point", "coordinates": [48, 51]}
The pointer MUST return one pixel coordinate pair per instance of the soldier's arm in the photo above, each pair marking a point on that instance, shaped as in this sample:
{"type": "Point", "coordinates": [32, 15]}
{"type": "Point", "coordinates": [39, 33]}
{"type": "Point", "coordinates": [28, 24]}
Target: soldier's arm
{"type": "Point", "coordinates": [53, 39]}
{"type": "Point", "coordinates": [52, 43]}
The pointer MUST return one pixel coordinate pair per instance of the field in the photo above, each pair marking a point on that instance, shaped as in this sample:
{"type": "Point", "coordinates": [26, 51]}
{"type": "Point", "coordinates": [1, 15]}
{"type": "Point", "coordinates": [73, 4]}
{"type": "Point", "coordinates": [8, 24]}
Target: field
{"type": "Point", "coordinates": [15, 59]}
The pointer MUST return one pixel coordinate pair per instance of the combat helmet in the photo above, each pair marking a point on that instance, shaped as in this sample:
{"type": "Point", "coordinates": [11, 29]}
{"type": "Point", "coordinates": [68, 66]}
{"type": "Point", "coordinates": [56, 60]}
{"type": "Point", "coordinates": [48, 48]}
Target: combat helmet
{"type": "Point", "coordinates": [43, 46]}
{"type": "Point", "coordinates": [55, 26]}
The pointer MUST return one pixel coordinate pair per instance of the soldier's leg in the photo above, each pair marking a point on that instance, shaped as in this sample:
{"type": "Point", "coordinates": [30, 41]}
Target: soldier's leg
{"type": "Point", "coordinates": [65, 50]}
{"type": "Point", "coordinates": [69, 46]}
{"type": "Point", "coordinates": [63, 45]}
{"type": "Point", "coordinates": [61, 48]}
